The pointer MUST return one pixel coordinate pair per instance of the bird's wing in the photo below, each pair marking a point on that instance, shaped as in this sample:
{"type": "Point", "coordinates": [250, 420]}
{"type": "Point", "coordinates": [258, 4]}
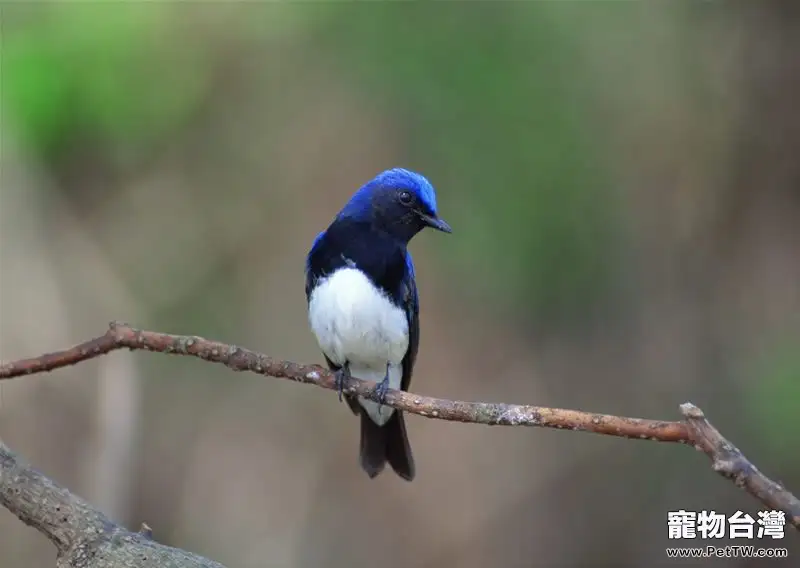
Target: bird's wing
{"type": "Point", "coordinates": [310, 282]}
{"type": "Point", "coordinates": [310, 277]}
{"type": "Point", "coordinates": [410, 298]}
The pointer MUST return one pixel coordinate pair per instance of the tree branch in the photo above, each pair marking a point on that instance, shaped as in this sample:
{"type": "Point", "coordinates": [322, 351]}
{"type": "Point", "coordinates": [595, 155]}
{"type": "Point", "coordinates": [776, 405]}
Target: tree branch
{"type": "Point", "coordinates": [83, 536]}
{"type": "Point", "coordinates": [76, 528]}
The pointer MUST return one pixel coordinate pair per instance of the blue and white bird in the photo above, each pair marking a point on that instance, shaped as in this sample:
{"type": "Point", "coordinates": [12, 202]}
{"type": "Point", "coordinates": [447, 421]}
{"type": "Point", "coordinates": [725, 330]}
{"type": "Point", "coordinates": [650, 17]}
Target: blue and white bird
{"type": "Point", "coordinates": [363, 305]}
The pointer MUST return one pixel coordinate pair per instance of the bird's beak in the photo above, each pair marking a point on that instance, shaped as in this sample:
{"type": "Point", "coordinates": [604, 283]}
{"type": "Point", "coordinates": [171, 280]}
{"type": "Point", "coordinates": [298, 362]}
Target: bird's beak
{"type": "Point", "coordinates": [436, 223]}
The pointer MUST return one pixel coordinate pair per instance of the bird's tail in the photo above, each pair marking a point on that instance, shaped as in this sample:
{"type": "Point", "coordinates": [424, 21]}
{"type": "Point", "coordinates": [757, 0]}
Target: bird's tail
{"type": "Point", "coordinates": [389, 442]}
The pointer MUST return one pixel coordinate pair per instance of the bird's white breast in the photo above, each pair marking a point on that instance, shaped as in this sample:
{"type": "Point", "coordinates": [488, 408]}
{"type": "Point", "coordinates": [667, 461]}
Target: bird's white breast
{"type": "Point", "coordinates": [355, 322]}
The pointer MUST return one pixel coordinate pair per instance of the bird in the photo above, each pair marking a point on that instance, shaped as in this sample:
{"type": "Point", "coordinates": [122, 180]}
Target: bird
{"type": "Point", "coordinates": [363, 304]}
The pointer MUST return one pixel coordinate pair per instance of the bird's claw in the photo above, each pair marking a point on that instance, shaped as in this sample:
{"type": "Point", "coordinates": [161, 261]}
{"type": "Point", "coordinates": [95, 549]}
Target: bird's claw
{"type": "Point", "coordinates": [381, 389]}
{"type": "Point", "coordinates": [340, 378]}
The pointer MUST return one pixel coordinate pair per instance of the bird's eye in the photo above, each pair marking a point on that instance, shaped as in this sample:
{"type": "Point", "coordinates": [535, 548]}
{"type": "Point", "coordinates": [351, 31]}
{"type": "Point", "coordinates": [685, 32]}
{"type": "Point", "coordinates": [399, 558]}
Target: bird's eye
{"type": "Point", "coordinates": [405, 197]}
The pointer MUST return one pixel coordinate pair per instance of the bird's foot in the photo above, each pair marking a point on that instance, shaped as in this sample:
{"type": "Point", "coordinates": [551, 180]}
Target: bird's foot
{"type": "Point", "coordinates": [382, 388]}
{"type": "Point", "coordinates": [341, 377]}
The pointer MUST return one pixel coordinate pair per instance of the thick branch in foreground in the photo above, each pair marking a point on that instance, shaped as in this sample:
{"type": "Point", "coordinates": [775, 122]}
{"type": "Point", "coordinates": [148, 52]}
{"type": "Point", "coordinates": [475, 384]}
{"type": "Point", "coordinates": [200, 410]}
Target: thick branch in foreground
{"type": "Point", "coordinates": [83, 536]}
{"type": "Point", "coordinates": [83, 528]}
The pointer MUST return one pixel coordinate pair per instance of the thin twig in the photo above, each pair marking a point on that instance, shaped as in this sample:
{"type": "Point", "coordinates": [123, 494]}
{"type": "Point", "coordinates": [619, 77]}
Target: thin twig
{"type": "Point", "coordinates": [695, 430]}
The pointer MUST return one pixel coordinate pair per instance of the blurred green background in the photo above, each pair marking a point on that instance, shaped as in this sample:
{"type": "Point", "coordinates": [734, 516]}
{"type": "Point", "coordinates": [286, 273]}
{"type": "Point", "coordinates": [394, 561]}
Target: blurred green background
{"type": "Point", "coordinates": [623, 183]}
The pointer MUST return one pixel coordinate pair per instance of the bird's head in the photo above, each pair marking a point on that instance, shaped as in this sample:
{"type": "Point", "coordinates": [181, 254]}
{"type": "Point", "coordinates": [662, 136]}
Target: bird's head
{"type": "Point", "coordinates": [399, 202]}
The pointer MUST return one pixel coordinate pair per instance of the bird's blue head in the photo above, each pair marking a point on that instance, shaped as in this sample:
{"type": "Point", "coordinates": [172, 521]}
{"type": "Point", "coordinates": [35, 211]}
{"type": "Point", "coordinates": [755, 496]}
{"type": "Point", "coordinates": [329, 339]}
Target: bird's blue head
{"type": "Point", "coordinates": [399, 202]}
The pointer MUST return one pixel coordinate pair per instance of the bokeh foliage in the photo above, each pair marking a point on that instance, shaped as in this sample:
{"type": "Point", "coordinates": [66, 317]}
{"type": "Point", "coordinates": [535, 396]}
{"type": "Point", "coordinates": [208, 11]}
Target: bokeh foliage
{"type": "Point", "coordinates": [505, 110]}
{"type": "Point", "coordinates": [78, 72]}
